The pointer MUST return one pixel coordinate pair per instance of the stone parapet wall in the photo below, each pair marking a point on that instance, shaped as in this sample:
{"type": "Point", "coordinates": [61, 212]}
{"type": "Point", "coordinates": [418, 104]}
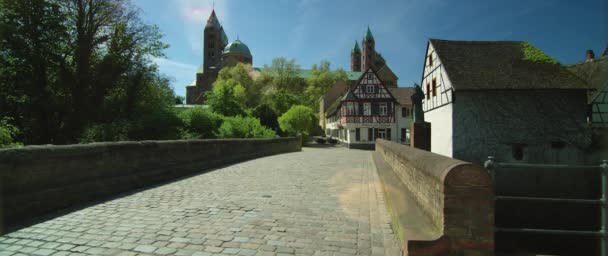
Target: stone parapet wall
{"type": "Point", "coordinates": [450, 201]}
{"type": "Point", "coordinates": [36, 180]}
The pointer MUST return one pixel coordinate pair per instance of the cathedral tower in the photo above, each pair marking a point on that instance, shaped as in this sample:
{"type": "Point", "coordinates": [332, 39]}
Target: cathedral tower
{"type": "Point", "coordinates": [355, 58]}
{"type": "Point", "coordinates": [214, 42]}
{"type": "Point", "coordinates": [369, 50]}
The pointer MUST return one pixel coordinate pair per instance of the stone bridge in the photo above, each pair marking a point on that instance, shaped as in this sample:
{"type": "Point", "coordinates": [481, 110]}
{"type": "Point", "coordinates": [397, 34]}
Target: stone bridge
{"type": "Point", "coordinates": [318, 201]}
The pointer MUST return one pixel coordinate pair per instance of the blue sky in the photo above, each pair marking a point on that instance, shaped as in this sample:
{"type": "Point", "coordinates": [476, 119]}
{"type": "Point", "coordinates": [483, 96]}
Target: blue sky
{"type": "Point", "coordinates": [313, 30]}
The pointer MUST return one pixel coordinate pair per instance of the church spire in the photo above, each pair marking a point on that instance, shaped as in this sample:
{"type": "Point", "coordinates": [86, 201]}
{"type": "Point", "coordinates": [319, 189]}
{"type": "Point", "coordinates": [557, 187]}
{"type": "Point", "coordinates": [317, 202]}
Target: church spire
{"type": "Point", "coordinates": [212, 21]}
{"type": "Point", "coordinates": [356, 47]}
{"type": "Point", "coordinates": [368, 35]}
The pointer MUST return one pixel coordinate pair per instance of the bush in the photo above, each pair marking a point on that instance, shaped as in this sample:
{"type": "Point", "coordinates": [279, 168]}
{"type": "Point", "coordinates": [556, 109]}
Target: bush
{"type": "Point", "coordinates": [8, 133]}
{"type": "Point", "coordinates": [116, 131]}
{"type": "Point", "coordinates": [200, 123]}
{"type": "Point", "coordinates": [244, 127]}
{"type": "Point", "coordinates": [297, 120]}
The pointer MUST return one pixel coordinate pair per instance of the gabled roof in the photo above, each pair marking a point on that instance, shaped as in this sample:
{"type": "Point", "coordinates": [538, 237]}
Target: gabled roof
{"type": "Point", "coordinates": [502, 65]}
{"type": "Point", "coordinates": [594, 73]}
{"type": "Point", "coordinates": [403, 95]}
{"type": "Point", "coordinates": [349, 95]}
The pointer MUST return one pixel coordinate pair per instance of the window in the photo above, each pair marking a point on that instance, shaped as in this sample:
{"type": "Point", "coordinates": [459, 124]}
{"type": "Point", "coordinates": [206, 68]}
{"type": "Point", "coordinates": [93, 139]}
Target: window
{"type": "Point", "coordinates": [434, 87]}
{"type": "Point", "coordinates": [407, 135]}
{"type": "Point", "coordinates": [402, 137]}
{"type": "Point", "coordinates": [430, 60]}
{"type": "Point", "coordinates": [350, 109]}
{"type": "Point", "coordinates": [405, 112]}
{"type": "Point", "coordinates": [370, 76]}
{"type": "Point", "coordinates": [428, 90]}
{"type": "Point", "coordinates": [517, 151]}
{"type": "Point", "coordinates": [358, 134]}
{"type": "Point", "coordinates": [383, 109]}
{"type": "Point", "coordinates": [370, 132]}
{"type": "Point", "coordinates": [382, 133]}
{"type": "Point", "coordinates": [210, 45]}
{"type": "Point", "coordinates": [369, 88]}
{"type": "Point", "coordinates": [367, 109]}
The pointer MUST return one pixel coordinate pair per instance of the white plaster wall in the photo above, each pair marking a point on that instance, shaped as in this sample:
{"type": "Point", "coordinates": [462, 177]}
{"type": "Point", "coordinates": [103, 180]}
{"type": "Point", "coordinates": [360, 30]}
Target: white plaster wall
{"type": "Point", "coordinates": [441, 129]}
{"type": "Point", "coordinates": [402, 122]}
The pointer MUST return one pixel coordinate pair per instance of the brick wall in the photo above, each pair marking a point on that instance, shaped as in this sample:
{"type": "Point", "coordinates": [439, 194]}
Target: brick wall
{"type": "Point", "coordinates": [455, 196]}
{"type": "Point", "coordinates": [35, 180]}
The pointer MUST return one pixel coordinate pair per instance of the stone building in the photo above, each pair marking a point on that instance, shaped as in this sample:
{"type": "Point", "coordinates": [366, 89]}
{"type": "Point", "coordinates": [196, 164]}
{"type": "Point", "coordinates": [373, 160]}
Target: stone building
{"type": "Point", "coordinates": [503, 99]}
{"type": "Point", "coordinates": [217, 52]}
{"type": "Point", "coordinates": [370, 110]}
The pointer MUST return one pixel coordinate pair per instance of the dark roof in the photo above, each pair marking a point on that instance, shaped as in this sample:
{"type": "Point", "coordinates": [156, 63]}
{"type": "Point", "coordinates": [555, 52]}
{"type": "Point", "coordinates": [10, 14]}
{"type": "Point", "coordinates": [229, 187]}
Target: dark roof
{"type": "Point", "coordinates": [402, 95]}
{"type": "Point", "coordinates": [594, 73]}
{"type": "Point", "coordinates": [333, 108]}
{"type": "Point", "coordinates": [500, 65]}
{"type": "Point", "coordinates": [349, 96]}
{"type": "Point", "coordinates": [212, 21]}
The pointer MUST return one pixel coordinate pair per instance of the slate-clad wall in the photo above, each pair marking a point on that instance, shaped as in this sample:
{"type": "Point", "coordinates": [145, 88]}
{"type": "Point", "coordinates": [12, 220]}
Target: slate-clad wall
{"type": "Point", "coordinates": [487, 122]}
{"type": "Point", "coordinates": [40, 179]}
{"type": "Point", "coordinates": [456, 196]}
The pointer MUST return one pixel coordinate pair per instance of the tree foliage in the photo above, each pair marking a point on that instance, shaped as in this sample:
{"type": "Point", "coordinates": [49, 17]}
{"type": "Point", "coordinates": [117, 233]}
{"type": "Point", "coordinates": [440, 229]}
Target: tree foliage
{"type": "Point", "coordinates": [200, 123]}
{"type": "Point", "coordinates": [298, 120]}
{"type": "Point", "coordinates": [244, 127]}
{"type": "Point", "coordinates": [73, 67]}
{"type": "Point", "coordinates": [226, 98]}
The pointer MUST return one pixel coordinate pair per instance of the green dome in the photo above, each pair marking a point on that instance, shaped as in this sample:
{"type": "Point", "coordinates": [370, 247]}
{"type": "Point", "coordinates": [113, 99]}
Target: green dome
{"type": "Point", "coordinates": [237, 47]}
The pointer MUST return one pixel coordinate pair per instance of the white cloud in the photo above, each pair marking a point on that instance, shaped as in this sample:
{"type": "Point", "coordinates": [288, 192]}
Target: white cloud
{"type": "Point", "coordinates": [182, 73]}
{"type": "Point", "coordinates": [193, 16]}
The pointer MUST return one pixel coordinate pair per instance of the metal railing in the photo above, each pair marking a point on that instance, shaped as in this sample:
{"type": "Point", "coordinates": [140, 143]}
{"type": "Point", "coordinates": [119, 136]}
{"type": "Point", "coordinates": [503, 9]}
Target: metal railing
{"type": "Point", "coordinates": [492, 165]}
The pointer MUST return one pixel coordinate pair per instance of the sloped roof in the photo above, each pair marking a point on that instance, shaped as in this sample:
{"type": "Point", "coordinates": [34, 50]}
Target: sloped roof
{"type": "Point", "coordinates": [402, 95]}
{"type": "Point", "coordinates": [502, 65]}
{"type": "Point", "coordinates": [333, 108]}
{"type": "Point", "coordinates": [356, 47]}
{"type": "Point", "coordinates": [349, 96]}
{"type": "Point", "coordinates": [212, 21]}
{"type": "Point", "coordinates": [594, 73]}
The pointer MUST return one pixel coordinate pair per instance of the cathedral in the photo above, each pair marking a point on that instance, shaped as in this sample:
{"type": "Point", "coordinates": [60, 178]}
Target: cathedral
{"type": "Point", "coordinates": [217, 52]}
{"type": "Point", "coordinates": [361, 60]}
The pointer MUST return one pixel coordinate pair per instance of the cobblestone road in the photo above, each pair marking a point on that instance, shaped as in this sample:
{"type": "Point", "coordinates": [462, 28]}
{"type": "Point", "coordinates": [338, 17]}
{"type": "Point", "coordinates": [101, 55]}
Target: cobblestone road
{"type": "Point", "coordinates": [321, 201]}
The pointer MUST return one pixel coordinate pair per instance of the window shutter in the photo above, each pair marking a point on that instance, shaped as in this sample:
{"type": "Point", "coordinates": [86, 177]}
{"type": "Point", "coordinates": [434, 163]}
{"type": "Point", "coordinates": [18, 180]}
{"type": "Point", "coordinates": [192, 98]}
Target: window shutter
{"type": "Point", "coordinates": [358, 134]}
{"type": "Point", "coordinates": [360, 108]}
{"type": "Point", "coordinates": [370, 131]}
{"type": "Point", "coordinates": [375, 109]}
{"type": "Point", "coordinates": [375, 134]}
{"type": "Point", "coordinates": [388, 133]}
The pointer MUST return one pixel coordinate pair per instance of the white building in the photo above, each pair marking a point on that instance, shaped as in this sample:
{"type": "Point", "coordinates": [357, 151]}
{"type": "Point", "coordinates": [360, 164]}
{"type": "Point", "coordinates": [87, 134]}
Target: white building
{"type": "Point", "coordinates": [370, 110]}
{"type": "Point", "coordinates": [502, 99]}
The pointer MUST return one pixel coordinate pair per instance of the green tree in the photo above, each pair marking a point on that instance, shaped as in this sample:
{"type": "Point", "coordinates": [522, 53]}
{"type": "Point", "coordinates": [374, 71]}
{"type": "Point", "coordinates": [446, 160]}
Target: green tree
{"type": "Point", "coordinates": [298, 120]}
{"type": "Point", "coordinates": [200, 123]}
{"type": "Point", "coordinates": [8, 133]}
{"type": "Point", "coordinates": [226, 98]}
{"type": "Point", "coordinates": [244, 127]}
{"type": "Point", "coordinates": [282, 100]}
{"type": "Point", "coordinates": [71, 65]}
{"type": "Point", "coordinates": [321, 79]}
{"type": "Point", "coordinates": [267, 116]}
{"type": "Point", "coordinates": [282, 74]}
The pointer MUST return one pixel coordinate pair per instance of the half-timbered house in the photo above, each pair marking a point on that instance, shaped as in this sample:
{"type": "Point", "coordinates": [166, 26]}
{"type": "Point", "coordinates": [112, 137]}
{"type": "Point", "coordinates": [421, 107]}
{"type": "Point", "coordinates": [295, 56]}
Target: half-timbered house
{"type": "Point", "coordinates": [368, 110]}
{"type": "Point", "coordinates": [502, 99]}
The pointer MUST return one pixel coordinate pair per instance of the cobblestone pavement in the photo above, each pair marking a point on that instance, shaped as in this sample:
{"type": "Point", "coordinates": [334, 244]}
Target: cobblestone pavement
{"type": "Point", "coordinates": [321, 201]}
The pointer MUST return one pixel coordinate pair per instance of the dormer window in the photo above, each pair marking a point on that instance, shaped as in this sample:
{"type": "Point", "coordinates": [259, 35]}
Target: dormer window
{"type": "Point", "coordinates": [369, 88]}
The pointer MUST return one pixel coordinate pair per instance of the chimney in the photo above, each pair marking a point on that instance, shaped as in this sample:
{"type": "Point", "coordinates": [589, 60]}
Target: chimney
{"type": "Point", "coordinates": [589, 56]}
